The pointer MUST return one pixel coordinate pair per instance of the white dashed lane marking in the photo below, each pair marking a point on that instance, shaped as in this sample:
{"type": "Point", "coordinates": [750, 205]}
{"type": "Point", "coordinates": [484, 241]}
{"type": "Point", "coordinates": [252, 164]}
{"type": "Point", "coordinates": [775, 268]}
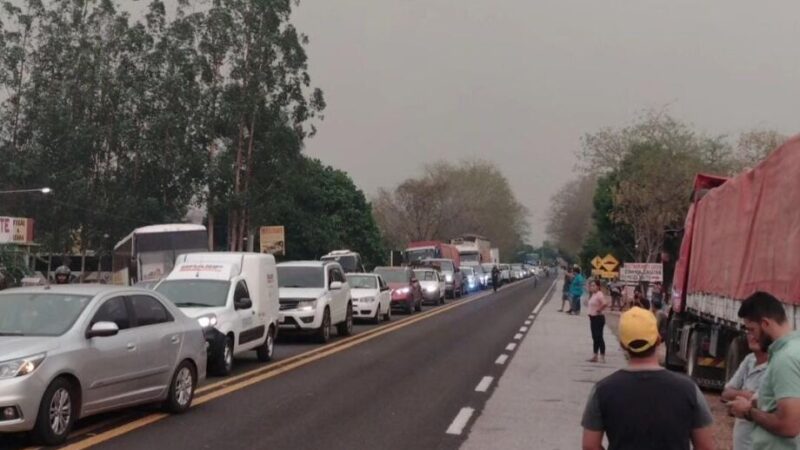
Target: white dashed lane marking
{"type": "Point", "coordinates": [483, 386]}
{"type": "Point", "coordinates": [510, 347]}
{"type": "Point", "coordinates": [460, 421]}
{"type": "Point", "coordinates": [501, 359]}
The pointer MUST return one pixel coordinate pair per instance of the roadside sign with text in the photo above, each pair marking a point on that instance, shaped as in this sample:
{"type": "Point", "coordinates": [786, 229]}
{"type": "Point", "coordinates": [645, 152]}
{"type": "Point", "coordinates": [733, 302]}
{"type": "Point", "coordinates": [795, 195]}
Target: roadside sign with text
{"type": "Point", "coordinates": [638, 272]}
{"type": "Point", "coordinates": [607, 274]}
{"type": "Point", "coordinates": [597, 262]}
{"type": "Point", "coordinates": [273, 240]}
{"type": "Point", "coordinates": [16, 230]}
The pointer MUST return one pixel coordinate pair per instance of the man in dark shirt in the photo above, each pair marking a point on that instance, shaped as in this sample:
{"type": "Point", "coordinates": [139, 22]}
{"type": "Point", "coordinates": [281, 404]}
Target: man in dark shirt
{"type": "Point", "coordinates": [645, 407]}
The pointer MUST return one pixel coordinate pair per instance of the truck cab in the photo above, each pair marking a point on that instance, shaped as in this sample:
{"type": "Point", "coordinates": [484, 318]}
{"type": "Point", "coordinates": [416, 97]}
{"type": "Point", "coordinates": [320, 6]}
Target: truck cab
{"type": "Point", "coordinates": [234, 298]}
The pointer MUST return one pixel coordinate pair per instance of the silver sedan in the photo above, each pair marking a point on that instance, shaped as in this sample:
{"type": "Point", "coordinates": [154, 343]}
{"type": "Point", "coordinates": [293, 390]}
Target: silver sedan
{"type": "Point", "coordinates": [67, 352]}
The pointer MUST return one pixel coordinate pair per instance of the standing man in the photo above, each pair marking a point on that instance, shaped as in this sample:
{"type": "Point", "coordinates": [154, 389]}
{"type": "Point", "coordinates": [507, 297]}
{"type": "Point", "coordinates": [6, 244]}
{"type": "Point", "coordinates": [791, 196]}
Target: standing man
{"type": "Point", "coordinates": [777, 414]}
{"type": "Point", "coordinates": [565, 288]}
{"type": "Point", "coordinates": [745, 383]}
{"type": "Point", "coordinates": [644, 406]}
{"type": "Point", "coordinates": [576, 290]}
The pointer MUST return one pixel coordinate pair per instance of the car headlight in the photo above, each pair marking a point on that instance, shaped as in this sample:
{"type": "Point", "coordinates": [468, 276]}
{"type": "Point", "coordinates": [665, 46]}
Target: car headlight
{"type": "Point", "coordinates": [21, 366]}
{"type": "Point", "coordinates": [448, 278]}
{"type": "Point", "coordinates": [403, 291]}
{"type": "Point", "coordinates": [307, 305]}
{"type": "Point", "coordinates": [431, 288]}
{"type": "Point", "coordinates": [208, 321]}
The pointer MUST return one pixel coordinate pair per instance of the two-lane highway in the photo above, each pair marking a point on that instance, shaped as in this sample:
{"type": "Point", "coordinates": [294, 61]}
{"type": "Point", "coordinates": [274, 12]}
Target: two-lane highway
{"type": "Point", "coordinates": [398, 385]}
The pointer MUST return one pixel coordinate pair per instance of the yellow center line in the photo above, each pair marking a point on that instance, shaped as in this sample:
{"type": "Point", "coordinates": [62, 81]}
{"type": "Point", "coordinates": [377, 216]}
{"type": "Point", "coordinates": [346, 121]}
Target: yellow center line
{"type": "Point", "coordinates": [271, 371]}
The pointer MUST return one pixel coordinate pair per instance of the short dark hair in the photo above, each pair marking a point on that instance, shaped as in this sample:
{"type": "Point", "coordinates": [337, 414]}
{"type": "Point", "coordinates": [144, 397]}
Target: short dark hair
{"type": "Point", "coordinates": [643, 354]}
{"type": "Point", "coordinates": [576, 269]}
{"type": "Point", "coordinates": [762, 305]}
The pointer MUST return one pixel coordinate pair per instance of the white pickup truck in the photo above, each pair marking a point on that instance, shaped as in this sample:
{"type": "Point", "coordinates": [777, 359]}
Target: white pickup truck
{"type": "Point", "coordinates": [315, 296]}
{"type": "Point", "coordinates": [234, 297]}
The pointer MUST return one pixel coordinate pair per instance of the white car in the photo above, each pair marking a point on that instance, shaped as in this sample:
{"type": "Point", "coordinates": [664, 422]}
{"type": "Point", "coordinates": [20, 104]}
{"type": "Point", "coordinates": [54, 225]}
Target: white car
{"type": "Point", "coordinates": [315, 296]}
{"type": "Point", "coordinates": [432, 284]}
{"type": "Point", "coordinates": [372, 297]}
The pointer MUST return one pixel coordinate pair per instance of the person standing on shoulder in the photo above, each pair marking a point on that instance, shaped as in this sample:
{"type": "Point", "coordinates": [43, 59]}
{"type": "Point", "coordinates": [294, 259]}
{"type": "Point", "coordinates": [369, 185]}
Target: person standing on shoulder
{"type": "Point", "coordinates": [576, 289]}
{"type": "Point", "coordinates": [776, 415]}
{"type": "Point", "coordinates": [597, 321]}
{"type": "Point", "coordinates": [644, 406]}
{"type": "Point", "coordinates": [565, 288]}
{"type": "Point", "coordinates": [745, 383]}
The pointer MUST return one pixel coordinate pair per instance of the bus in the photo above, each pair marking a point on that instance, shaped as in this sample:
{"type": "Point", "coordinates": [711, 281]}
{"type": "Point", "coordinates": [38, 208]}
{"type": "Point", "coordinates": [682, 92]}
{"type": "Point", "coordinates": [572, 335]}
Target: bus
{"type": "Point", "coordinates": [148, 253]}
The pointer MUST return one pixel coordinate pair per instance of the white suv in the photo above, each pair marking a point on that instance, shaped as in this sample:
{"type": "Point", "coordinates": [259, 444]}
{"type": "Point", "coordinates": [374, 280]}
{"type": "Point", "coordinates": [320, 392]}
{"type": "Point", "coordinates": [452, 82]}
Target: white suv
{"type": "Point", "coordinates": [314, 296]}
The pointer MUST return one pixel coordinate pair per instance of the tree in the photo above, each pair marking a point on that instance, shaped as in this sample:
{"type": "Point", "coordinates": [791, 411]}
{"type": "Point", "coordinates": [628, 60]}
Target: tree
{"type": "Point", "coordinates": [323, 210]}
{"type": "Point", "coordinates": [570, 219]}
{"type": "Point", "coordinates": [449, 200]}
{"type": "Point", "coordinates": [755, 145]}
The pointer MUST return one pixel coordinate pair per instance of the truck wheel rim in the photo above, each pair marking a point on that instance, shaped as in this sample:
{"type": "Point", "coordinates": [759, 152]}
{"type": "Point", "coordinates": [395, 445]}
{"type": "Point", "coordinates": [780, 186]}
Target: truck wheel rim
{"type": "Point", "coordinates": [184, 385]}
{"type": "Point", "coordinates": [60, 411]}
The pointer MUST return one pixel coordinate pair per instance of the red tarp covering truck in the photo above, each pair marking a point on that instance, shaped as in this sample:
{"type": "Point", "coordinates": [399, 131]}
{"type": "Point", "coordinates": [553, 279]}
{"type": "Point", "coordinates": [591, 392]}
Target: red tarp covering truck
{"type": "Point", "coordinates": [741, 235]}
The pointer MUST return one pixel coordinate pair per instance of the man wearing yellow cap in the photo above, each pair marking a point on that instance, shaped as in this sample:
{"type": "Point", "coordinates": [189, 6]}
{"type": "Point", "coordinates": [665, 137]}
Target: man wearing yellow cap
{"type": "Point", "coordinates": [644, 406]}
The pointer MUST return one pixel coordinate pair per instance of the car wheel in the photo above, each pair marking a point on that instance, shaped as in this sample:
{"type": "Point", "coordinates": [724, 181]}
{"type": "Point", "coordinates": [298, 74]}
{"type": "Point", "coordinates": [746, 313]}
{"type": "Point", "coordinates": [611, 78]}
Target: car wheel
{"type": "Point", "coordinates": [181, 391]}
{"type": "Point", "coordinates": [57, 413]}
{"type": "Point", "coordinates": [267, 349]}
{"type": "Point", "coordinates": [378, 316]}
{"type": "Point", "coordinates": [346, 328]}
{"type": "Point", "coordinates": [324, 331]}
{"type": "Point", "coordinates": [388, 316]}
{"type": "Point", "coordinates": [223, 361]}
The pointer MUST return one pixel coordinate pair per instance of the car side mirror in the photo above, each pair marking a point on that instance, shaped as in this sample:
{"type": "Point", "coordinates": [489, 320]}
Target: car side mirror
{"type": "Point", "coordinates": [243, 303]}
{"type": "Point", "coordinates": [336, 285]}
{"type": "Point", "coordinates": [386, 288]}
{"type": "Point", "coordinates": [102, 329]}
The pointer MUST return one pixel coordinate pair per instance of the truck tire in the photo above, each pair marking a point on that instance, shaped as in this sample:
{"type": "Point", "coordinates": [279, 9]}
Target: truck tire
{"type": "Point", "coordinates": [737, 350]}
{"type": "Point", "coordinates": [222, 362]}
{"type": "Point", "coordinates": [672, 361]}
{"type": "Point", "coordinates": [706, 377]}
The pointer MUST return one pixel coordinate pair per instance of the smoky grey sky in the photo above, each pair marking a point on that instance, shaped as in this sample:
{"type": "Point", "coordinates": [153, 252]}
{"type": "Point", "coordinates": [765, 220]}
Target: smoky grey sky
{"type": "Point", "coordinates": [518, 82]}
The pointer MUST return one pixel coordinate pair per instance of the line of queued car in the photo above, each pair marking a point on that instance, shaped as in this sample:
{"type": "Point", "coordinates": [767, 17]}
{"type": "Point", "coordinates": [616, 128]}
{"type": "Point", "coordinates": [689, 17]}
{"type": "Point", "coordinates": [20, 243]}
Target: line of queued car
{"type": "Point", "coordinates": [72, 351]}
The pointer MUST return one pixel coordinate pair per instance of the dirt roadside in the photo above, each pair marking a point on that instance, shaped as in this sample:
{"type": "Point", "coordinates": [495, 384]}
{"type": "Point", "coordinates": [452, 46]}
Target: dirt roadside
{"type": "Point", "coordinates": [723, 423]}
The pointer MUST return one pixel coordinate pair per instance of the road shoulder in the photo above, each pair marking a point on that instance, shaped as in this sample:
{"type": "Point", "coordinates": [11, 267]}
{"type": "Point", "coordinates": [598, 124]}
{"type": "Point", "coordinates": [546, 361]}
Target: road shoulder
{"type": "Point", "coordinates": [541, 396]}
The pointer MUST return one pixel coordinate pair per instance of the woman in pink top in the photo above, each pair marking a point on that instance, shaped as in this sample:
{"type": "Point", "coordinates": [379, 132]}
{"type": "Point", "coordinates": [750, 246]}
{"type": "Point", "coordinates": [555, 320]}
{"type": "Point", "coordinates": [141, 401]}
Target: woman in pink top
{"type": "Point", "coordinates": [597, 304]}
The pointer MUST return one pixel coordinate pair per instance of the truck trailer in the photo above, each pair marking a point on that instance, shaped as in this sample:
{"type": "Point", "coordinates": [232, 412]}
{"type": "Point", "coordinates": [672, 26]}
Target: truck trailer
{"type": "Point", "coordinates": [741, 236]}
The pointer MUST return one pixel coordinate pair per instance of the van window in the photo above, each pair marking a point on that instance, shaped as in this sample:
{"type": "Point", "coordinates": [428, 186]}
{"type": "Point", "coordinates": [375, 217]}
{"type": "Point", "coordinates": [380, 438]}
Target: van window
{"type": "Point", "coordinates": [240, 292]}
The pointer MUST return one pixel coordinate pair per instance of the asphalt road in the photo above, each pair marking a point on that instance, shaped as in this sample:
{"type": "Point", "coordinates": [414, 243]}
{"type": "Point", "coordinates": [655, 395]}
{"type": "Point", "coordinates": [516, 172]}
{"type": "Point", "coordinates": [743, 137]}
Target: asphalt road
{"type": "Point", "coordinates": [396, 385]}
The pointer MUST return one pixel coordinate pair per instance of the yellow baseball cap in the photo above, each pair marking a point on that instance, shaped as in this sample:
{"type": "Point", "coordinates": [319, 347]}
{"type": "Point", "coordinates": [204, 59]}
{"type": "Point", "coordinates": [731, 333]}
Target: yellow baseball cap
{"type": "Point", "coordinates": [638, 330]}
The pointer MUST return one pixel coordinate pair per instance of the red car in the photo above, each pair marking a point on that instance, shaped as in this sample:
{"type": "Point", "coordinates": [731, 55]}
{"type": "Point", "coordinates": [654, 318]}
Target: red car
{"type": "Point", "coordinates": [406, 290]}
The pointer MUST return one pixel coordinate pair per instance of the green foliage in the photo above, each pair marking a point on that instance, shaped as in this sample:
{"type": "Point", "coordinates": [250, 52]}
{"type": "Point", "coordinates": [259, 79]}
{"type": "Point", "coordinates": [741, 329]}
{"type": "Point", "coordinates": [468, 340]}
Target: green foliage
{"type": "Point", "coordinates": [322, 210]}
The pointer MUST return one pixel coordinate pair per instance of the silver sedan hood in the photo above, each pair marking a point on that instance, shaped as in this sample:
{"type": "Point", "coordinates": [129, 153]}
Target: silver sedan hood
{"type": "Point", "coordinates": [13, 347]}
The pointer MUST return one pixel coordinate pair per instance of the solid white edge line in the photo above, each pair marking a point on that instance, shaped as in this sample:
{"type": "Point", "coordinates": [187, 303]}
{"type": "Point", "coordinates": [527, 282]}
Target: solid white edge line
{"type": "Point", "coordinates": [483, 386]}
{"type": "Point", "coordinates": [544, 298]}
{"type": "Point", "coordinates": [510, 347]}
{"type": "Point", "coordinates": [460, 421]}
{"type": "Point", "coordinates": [501, 359]}
{"type": "Point", "coordinates": [518, 336]}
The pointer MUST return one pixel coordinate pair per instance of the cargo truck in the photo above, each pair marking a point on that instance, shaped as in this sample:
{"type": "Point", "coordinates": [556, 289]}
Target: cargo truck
{"type": "Point", "coordinates": [741, 235]}
{"type": "Point", "coordinates": [473, 248]}
{"type": "Point", "coordinates": [419, 250]}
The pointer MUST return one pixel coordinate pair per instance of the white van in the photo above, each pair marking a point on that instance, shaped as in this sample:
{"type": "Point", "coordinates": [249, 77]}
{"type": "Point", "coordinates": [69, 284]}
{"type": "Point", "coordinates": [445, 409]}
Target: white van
{"type": "Point", "coordinates": [234, 297]}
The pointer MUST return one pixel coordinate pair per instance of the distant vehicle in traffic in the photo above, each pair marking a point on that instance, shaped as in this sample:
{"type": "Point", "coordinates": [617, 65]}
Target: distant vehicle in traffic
{"type": "Point", "coordinates": [484, 276]}
{"type": "Point", "coordinates": [471, 280]}
{"type": "Point", "coordinates": [406, 291]}
{"type": "Point", "coordinates": [372, 297]}
{"type": "Point", "coordinates": [432, 284]}
{"type": "Point", "coordinates": [148, 254]}
{"type": "Point", "coordinates": [473, 248]}
{"type": "Point", "coordinates": [233, 297]}
{"type": "Point", "coordinates": [487, 268]}
{"type": "Point", "coordinates": [315, 296]}
{"type": "Point", "coordinates": [72, 351]}
{"type": "Point", "coordinates": [349, 260]}
{"type": "Point", "coordinates": [505, 273]}
{"type": "Point", "coordinates": [420, 250]}
{"type": "Point", "coordinates": [517, 272]}
{"type": "Point", "coordinates": [453, 278]}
